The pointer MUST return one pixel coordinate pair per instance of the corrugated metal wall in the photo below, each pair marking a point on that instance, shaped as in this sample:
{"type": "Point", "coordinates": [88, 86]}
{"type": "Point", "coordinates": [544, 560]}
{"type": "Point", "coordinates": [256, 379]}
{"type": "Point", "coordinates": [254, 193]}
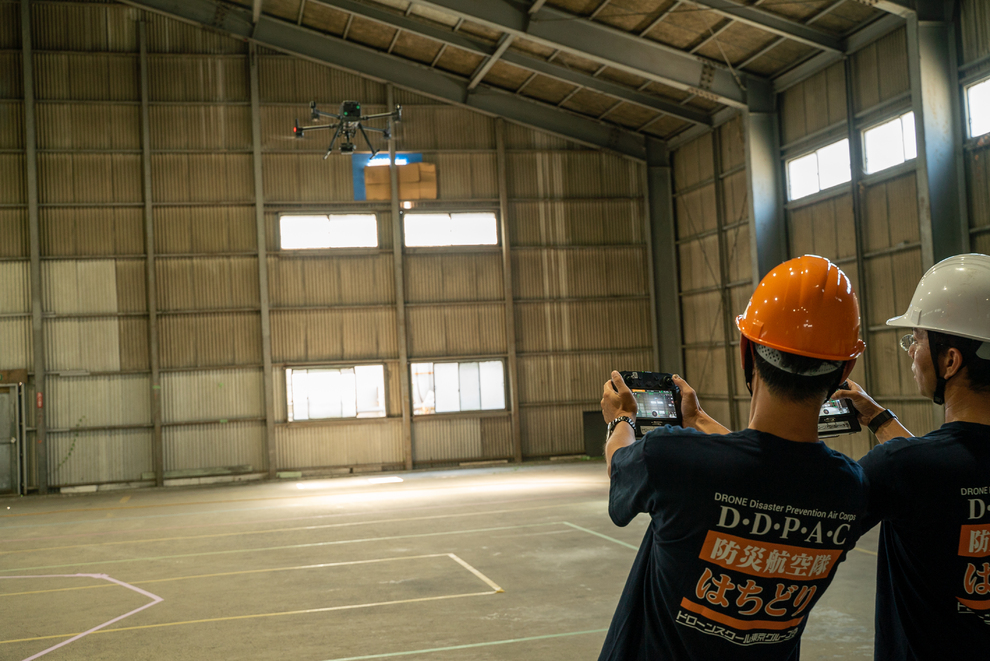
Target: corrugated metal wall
{"type": "Point", "coordinates": [975, 56]}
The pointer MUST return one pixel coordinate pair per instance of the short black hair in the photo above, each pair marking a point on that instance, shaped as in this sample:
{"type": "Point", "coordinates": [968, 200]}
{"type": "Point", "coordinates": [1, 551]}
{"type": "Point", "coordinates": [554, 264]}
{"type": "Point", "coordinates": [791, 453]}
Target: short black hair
{"type": "Point", "coordinates": [977, 369]}
{"type": "Point", "coordinates": [797, 387]}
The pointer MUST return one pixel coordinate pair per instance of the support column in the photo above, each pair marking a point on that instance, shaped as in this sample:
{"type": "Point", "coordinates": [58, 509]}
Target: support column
{"type": "Point", "coordinates": [663, 239]}
{"type": "Point", "coordinates": [31, 176]}
{"type": "Point", "coordinates": [157, 452]}
{"type": "Point", "coordinates": [400, 295]}
{"type": "Point", "coordinates": [725, 299]}
{"type": "Point", "coordinates": [768, 231]}
{"type": "Point", "coordinates": [510, 312]}
{"type": "Point", "coordinates": [934, 75]}
{"type": "Point", "coordinates": [259, 221]}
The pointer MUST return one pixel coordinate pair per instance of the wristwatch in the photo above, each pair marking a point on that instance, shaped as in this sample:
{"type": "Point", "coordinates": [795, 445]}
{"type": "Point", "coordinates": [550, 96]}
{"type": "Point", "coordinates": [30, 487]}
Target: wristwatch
{"type": "Point", "coordinates": [879, 419]}
{"type": "Point", "coordinates": [621, 418]}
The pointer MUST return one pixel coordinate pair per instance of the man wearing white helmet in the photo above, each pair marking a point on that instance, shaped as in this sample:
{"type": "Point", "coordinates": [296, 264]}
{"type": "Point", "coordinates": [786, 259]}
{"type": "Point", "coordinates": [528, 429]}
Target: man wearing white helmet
{"type": "Point", "coordinates": [933, 493]}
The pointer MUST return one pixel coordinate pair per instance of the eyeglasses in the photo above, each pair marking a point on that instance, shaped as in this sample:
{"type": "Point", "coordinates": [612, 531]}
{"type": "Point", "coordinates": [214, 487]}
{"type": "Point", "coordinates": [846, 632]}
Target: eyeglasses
{"type": "Point", "coordinates": [908, 341]}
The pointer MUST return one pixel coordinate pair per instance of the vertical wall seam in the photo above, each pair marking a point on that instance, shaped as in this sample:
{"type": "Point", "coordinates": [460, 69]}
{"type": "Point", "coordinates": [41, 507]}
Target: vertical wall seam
{"type": "Point", "coordinates": [723, 267]}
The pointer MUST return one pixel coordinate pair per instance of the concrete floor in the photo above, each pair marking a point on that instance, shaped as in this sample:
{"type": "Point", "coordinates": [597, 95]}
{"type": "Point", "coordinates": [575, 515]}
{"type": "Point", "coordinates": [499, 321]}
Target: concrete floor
{"type": "Point", "coordinates": [493, 563]}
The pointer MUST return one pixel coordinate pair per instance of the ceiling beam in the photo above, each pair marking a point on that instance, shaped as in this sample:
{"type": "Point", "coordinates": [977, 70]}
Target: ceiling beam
{"type": "Point", "coordinates": [591, 40]}
{"type": "Point", "coordinates": [310, 45]}
{"type": "Point", "coordinates": [775, 24]}
{"type": "Point", "coordinates": [487, 65]}
{"type": "Point", "coordinates": [516, 58]}
{"type": "Point", "coordinates": [256, 10]}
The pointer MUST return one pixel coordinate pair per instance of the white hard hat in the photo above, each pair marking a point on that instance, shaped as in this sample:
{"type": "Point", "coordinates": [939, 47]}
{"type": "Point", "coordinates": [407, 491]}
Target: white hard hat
{"type": "Point", "coordinates": [954, 298]}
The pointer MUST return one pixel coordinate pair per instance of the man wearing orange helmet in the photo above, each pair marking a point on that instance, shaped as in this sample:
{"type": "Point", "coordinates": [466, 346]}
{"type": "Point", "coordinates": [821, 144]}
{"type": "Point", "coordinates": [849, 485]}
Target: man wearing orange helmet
{"type": "Point", "coordinates": [933, 493]}
{"type": "Point", "coordinates": [748, 527]}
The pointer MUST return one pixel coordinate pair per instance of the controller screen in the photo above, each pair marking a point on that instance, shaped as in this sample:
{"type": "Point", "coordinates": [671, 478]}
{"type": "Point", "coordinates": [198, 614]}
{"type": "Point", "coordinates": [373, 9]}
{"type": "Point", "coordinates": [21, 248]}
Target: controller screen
{"type": "Point", "coordinates": [834, 407]}
{"type": "Point", "coordinates": [655, 404]}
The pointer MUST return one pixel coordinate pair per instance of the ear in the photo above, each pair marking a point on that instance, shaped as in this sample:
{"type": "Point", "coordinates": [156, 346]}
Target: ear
{"type": "Point", "coordinates": [953, 360]}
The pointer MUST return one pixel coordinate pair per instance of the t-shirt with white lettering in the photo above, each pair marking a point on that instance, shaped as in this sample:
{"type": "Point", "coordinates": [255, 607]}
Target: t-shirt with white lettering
{"type": "Point", "coordinates": [745, 534]}
{"type": "Point", "coordinates": [933, 569]}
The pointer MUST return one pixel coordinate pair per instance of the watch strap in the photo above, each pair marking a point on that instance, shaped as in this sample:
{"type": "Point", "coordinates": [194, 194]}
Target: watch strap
{"type": "Point", "coordinates": [622, 418]}
{"type": "Point", "coordinates": [880, 419]}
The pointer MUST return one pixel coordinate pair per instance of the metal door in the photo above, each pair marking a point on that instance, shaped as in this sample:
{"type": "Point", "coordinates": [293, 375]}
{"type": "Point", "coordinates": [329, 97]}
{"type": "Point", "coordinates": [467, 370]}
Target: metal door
{"type": "Point", "coordinates": [10, 447]}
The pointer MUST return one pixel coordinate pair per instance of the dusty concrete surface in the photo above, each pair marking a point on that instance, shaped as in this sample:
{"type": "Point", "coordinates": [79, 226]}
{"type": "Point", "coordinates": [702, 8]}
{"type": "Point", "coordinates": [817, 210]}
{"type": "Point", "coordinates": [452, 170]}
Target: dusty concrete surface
{"type": "Point", "coordinates": [495, 563]}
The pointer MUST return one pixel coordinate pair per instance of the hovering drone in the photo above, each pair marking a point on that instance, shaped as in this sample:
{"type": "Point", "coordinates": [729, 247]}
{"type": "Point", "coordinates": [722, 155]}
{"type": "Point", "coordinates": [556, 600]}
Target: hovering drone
{"type": "Point", "coordinates": [348, 124]}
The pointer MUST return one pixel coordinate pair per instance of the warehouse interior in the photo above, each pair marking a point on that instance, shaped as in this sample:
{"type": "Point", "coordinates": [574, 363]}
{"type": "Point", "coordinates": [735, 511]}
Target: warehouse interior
{"type": "Point", "coordinates": [185, 279]}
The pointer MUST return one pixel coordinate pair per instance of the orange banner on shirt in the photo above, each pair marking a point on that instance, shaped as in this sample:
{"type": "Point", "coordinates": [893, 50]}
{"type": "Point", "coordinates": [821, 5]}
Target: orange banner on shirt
{"type": "Point", "coordinates": [768, 559]}
{"type": "Point", "coordinates": [974, 541]}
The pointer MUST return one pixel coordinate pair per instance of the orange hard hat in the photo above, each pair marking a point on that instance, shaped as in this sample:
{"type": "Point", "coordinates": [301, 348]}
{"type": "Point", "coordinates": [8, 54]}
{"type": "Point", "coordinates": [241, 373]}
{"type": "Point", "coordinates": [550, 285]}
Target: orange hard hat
{"type": "Point", "coordinates": [805, 306]}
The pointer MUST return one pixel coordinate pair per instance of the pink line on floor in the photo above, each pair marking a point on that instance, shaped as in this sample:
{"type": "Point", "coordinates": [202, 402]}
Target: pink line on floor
{"type": "Point", "coordinates": [154, 600]}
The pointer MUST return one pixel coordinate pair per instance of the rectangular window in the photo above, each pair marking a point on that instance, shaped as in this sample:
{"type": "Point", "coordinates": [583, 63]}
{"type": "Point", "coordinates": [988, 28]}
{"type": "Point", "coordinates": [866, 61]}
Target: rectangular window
{"type": "Point", "coordinates": [819, 170]}
{"type": "Point", "coordinates": [349, 392]}
{"type": "Point", "coordinates": [978, 105]}
{"type": "Point", "coordinates": [890, 143]}
{"type": "Point", "coordinates": [450, 229]}
{"type": "Point", "coordinates": [451, 387]}
{"type": "Point", "coordinates": [301, 232]}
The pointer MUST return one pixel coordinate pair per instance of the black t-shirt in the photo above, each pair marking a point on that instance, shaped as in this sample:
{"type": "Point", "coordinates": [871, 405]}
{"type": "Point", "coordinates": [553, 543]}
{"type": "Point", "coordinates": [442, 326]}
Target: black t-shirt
{"type": "Point", "coordinates": [746, 532]}
{"type": "Point", "coordinates": [933, 570]}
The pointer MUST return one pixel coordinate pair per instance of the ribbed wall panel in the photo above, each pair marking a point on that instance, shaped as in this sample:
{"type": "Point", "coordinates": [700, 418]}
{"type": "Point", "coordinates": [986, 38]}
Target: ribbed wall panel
{"type": "Point", "coordinates": [15, 338]}
{"type": "Point", "coordinates": [83, 126]}
{"type": "Point", "coordinates": [286, 79]}
{"type": "Point", "coordinates": [198, 78]}
{"type": "Point", "coordinates": [346, 280]}
{"type": "Point", "coordinates": [14, 235]}
{"type": "Point", "coordinates": [890, 214]}
{"type": "Point", "coordinates": [446, 438]}
{"type": "Point", "coordinates": [133, 343]}
{"type": "Point", "coordinates": [91, 231]}
{"type": "Point", "coordinates": [82, 344]}
{"type": "Point", "coordinates": [825, 228]}
{"type": "Point", "coordinates": [131, 285]}
{"type": "Point", "coordinates": [705, 370]}
{"type": "Point", "coordinates": [575, 377]}
{"type": "Point", "coordinates": [202, 178]}
{"type": "Point", "coordinates": [326, 446]}
{"type": "Point", "coordinates": [577, 326]}
{"type": "Point", "coordinates": [891, 367]}
{"type": "Point", "coordinates": [553, 430]}
{"type": "Point", "coordinates": [393, 388]}
{"type": "Point", "coordinates": [169, 36]}
{"type": "Point", "coordinates": [974, 20]}
{"type": "Point", "coordinates": [456, 330]}
{"type": "Point", "coordinates": [890, 284]}
{"type": "Point", "coordinates": [576, 222]}
{"type": "Point", "coordinates": [465, 176]}
{"type": "Point", "coordinates": [306, 178]}
{"type": "Point", "coordinates": [695, 212]}
{"type": "Point", "coordinates": [699, 263]}
{"type": "Point", "coordinates": [280, 405]}
{"type": "Point", "coordinates": [701, 319]}
{"type": "Point", "coordinates": [579, 273]}
{"type": "Point", "coordinates": [433, 128]}
{"type": "Point", "coordinates": [10, 67]}
{"type": "Point", "coordinates": [694, 163]}
{"type": "Point", "coordinates": [98, 401]}
{"type": "Point", "coordinates": [11, 122]}
{"type": "Point", "coordinates": [496, 437]}
{"type": "Point", "coordinates": [204, 229]}
{"type": "Point", "coordinates": [83, 27]}
{"type": "Point", "coordinates": [13, 187]}
{"type": "Point", "coordinates": [453, 277]}
{"type": "Point", "coordinates": [97, 457]}
{"type": "Point", "coordinates": [735, 198]}
{"type": "Point", "coordinates": [201, 447]}
{"type": "Point", "coordinates": [308, 335]}
{"type": "Point", "coordinates": [10, 26]}
{"type": "Point", "coordinates": [521, 137]}
{"type": "Point", "coordinates": [978, 187]}
{"type": "Point", "coordinates": [207, 283]}
{"type": "Point", "coordinates": [812, 104]}
{"type": "Point", "coordinates": [79, 286]}
{"type": "Point", "coordinates": [87, 178]}
{"type": "Point", "coordinates": [210, 340]}
{"type": "Point", "coordinates": [15, 283]}
{"type": "Point", "coordinates": [880, 70]}
{"type": "Point", "coordinates": [86, 77]}
{"type": "Point", "coordinates": [213, 395]}
{"type": "Point", "coordinates": [200, 127]}
{"type": "Point", "coordinates": [577, 174]}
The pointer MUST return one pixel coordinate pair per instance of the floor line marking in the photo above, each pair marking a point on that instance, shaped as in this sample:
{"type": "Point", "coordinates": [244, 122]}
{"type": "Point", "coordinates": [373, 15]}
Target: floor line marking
{"type": "Point", "coordinates": [229, 618]}
{"type": "Point", "coordinates": [347, 524]}
{"type": "Point", "coordinates": [476, 573]}
{"type": "Point", "coordinates": [468, 646]}
{"type": "Point", "coordinates": [856, 548]}
{"type": "Point", "coordinates": [155, 599]}
{"type": "Point", "coordinates": [282, 548]}
{"type": "Point", "coordinates": [598, 534]}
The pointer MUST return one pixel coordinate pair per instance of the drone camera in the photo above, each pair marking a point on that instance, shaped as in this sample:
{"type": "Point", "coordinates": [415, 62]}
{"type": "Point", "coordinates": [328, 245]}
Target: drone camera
{"type": "Point", "coordinates": [347, 148]}
{"type": "Point", "coordinates": [350, 110]}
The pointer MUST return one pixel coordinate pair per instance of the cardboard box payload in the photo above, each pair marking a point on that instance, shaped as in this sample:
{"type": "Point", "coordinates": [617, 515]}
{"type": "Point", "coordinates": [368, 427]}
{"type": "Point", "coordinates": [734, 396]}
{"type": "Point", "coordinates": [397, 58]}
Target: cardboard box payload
{"type": "Point", "coordinates": [417, 181]}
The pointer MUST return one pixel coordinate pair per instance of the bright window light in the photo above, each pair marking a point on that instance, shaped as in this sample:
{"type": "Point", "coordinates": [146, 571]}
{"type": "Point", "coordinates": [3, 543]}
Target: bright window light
{"type": "Point", "coordinates": [299, 232]}
{"type": "Point", "coordinates": [890, 143]}
{"type": "Point", "coordinates": [819, 170]}
{"type": "Point", "coordinates": [451, 387]}
{"type": "Point", "coordinates": [978, 100]}
{"type": "Point", "coordinates": [450, 229]}
{"type": "Point", "coordinates": [352, 392]}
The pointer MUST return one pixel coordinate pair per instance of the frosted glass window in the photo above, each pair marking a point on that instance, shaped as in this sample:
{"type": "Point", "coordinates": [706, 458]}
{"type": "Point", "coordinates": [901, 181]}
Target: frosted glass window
{"type": "Point", "coordinates": [300, 232]}
{"type": "Point", "coordinates": [450, 229]}
{"type": "Point", "coordinates": [890, 143]}
{"type": "Point", "coordinates": [978, 102]}
{"type": "Point", "coordinates": [451, 387]}
{"type": "Point", "coordinates": [353, 392]}
{"type": "Point", "coordinates": [819, 170]}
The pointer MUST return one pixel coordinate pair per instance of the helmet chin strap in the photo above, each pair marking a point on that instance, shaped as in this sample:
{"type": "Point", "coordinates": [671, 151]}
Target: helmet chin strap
{"type": "Point", "coordinates": [939, 396]}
